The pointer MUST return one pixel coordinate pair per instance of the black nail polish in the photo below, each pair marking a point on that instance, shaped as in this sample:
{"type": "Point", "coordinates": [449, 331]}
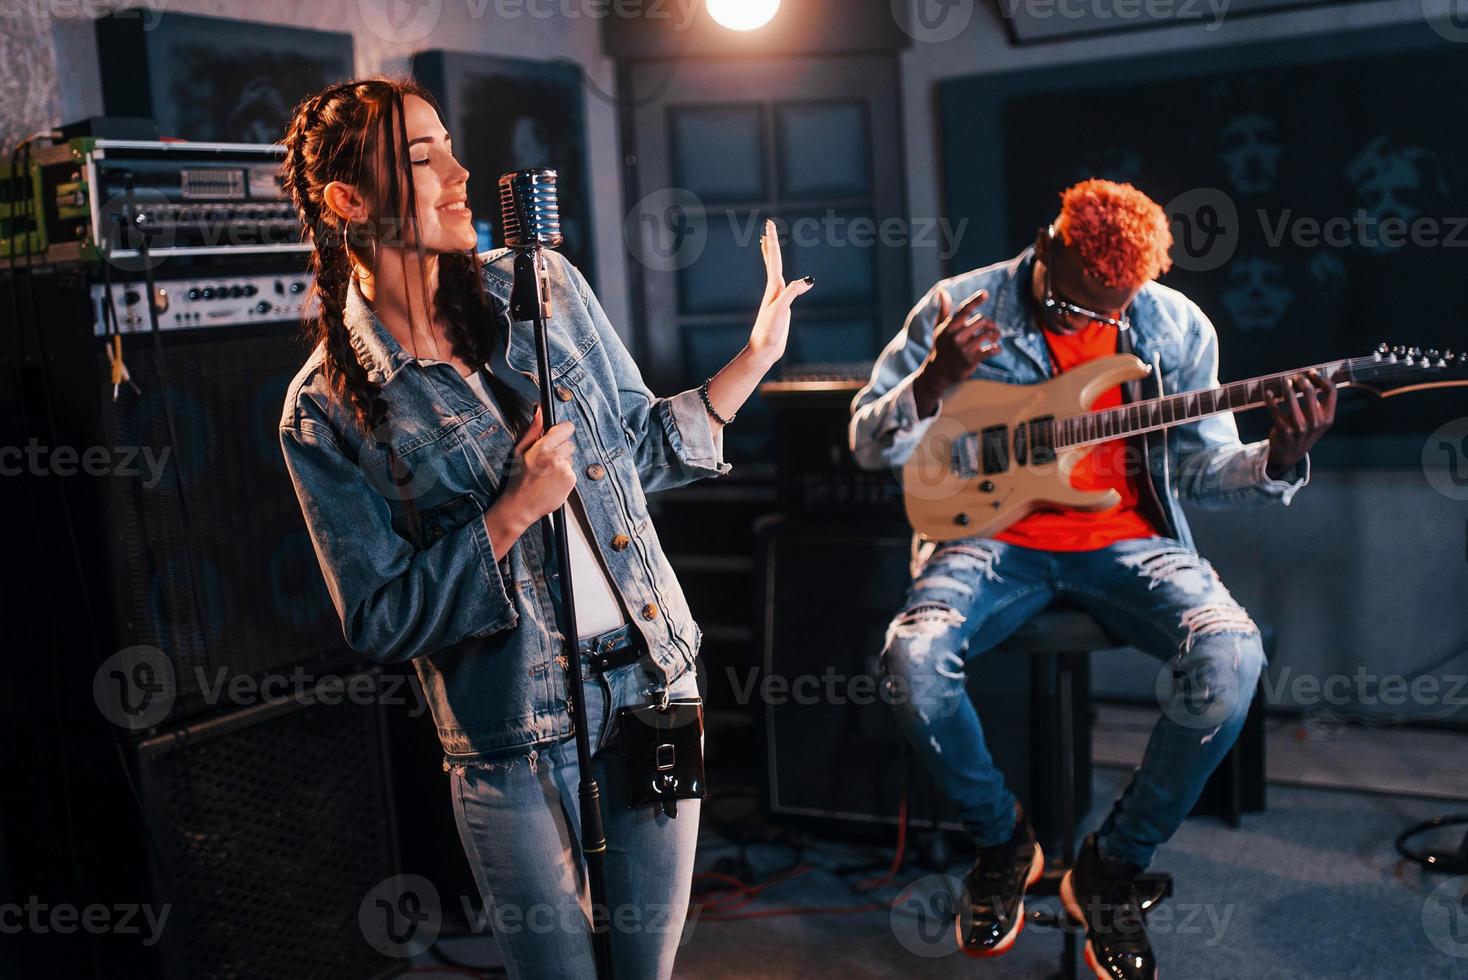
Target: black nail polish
{"type": "Point", "coordinates": [810, 280]}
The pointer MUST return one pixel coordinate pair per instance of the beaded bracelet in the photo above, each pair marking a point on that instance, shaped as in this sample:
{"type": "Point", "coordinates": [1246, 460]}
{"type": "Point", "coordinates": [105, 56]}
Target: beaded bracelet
{"type": "Point", "coordinates": [703, 391]}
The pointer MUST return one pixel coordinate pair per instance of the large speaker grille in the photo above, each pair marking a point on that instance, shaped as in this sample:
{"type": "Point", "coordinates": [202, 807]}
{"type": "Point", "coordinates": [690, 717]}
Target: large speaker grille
{"type": "Point", "coordinates": [830, 590]}
{"type": "Point", "coordinates": [273, 829]}
{"type": "Point", "coordinates": [212, 561]}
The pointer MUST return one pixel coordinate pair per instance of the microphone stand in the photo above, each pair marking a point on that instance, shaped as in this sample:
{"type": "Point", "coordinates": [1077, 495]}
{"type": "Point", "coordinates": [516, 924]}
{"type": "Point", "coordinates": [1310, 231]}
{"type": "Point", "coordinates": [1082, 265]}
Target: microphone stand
{"type": "Point", "coordinates": [530, 300]}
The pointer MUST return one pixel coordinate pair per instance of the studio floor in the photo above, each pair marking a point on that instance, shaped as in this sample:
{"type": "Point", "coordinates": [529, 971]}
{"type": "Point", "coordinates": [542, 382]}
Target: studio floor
{"type": "Point", "coordinates": [1311, 888]}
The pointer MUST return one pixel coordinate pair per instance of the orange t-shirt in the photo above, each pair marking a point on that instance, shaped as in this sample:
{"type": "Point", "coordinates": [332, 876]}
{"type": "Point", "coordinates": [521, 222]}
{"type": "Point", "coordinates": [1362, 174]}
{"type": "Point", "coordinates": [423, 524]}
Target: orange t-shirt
{"type": "Point", "coordinates": [1109, 465]}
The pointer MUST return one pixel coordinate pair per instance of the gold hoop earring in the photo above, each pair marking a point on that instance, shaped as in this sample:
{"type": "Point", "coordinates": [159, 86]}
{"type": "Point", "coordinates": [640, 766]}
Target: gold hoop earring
{"type": "Point", "coordinates": [362, 274]}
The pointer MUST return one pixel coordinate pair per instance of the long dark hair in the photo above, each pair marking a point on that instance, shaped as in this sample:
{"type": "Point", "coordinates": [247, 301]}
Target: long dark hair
{"type": "Point", "coordinates": [355, 133]}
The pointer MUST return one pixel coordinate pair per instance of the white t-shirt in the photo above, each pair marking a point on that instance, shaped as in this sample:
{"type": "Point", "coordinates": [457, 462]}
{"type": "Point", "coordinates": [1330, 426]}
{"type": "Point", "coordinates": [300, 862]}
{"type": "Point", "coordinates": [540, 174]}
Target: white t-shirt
{"type": "Point", "coordinates": [597, 607]}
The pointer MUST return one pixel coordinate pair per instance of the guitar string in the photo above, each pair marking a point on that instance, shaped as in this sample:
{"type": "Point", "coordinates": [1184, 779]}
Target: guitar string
{"type": "Point", "coordinates": [1090, 428]}
{"type": "Point", "coordinates": [1160, 413]}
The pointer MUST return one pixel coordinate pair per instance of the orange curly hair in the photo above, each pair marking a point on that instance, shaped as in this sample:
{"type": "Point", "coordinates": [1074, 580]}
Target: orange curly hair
{"type": "Point", "coordinates": [1122, 235]}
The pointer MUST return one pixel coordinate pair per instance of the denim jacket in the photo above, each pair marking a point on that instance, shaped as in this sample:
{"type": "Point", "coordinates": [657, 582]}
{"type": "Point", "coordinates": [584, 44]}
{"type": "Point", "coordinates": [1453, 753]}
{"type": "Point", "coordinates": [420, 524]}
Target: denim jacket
{"type": "Point", "coordinates": [482, 633]}
{"type": "Point", "coordinates": [1203, 461]}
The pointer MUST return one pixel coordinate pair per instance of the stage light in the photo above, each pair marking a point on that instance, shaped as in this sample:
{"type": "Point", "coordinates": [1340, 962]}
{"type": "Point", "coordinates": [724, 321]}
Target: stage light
{"type": "Point", "coordinates": [743, 15]}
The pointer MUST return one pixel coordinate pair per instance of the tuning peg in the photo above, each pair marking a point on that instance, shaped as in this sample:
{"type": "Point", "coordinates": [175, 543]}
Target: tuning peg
{"type": "Point", "coordinates": [1414, 352]}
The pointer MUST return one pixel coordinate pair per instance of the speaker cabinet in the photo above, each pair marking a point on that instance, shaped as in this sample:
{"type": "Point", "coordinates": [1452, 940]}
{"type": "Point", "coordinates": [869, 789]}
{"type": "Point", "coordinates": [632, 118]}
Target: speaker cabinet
{"type": "Point", "coordinates": [834, 755]}
{"type": "Point", "coordinates": [174, 524]}
{"type": "Point", "coordinates": [259, 821]}
{"type": "Point", "coordinates": [272, 826]}
{"type": "Point", "coordinates": [211, 560]}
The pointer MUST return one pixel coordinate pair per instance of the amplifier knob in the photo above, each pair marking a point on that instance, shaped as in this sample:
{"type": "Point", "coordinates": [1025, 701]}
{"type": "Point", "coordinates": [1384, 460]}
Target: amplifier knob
{"type": "Point", "coordinates": [297, 286]}
{"type": "Point", "coordinates": [262, 307]}
{"type": "Point", "coordinates": [250, 290]}
{"type": "Point", "coordinates": [236, 292]}
{"type": "Point", "coordinates": [193, 292]}
{"type": "Point", "coordinates": [207, 292]}
{"type": "Point", "coordinates": [132, 297]}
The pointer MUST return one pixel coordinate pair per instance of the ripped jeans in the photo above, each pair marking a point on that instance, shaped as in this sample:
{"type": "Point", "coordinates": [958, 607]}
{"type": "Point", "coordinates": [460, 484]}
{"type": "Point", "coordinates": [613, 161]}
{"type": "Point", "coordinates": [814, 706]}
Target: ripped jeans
{"type": "Point", "coordinates": [1154, 593]}
{"type": "Point", "coordinates": [519, 821]}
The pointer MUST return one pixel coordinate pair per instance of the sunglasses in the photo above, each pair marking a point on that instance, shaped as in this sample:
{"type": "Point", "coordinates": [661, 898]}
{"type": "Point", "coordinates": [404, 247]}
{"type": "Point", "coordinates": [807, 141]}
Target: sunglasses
{"type": "Point", "coordinates": [1056, 306]}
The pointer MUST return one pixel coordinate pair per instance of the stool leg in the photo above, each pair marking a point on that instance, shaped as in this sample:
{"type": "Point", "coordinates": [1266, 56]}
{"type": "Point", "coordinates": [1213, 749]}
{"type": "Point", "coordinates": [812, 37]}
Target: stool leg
{"type": "Point", "coordinates": [1064, 699]}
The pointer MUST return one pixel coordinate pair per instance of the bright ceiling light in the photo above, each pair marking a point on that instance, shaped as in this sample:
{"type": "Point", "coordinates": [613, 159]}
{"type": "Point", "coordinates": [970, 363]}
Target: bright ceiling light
{"type": "Point", "coordinates": [743, 15]}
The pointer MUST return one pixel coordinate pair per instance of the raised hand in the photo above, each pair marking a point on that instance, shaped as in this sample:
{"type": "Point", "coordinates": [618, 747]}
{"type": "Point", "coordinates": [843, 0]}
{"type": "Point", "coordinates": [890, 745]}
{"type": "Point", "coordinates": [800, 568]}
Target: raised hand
{"type": "Point", "coordinates": [729, 389]}
{"type": "Point", "coordinates": [961, 341]}
{"type": "Point", "coordinates": [772, 327]}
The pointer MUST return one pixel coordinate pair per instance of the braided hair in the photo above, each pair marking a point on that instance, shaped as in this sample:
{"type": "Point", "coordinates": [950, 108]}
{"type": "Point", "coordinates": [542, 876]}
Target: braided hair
{"type": "Point", "coordinates": [336, 135]}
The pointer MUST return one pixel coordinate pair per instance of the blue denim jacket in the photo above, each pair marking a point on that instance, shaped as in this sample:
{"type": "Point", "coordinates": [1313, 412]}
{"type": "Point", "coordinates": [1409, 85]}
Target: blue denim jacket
{"type": "Point", "coordinates": [1203, 461]}
{"type": "Point", "coordinates": [481, 633]}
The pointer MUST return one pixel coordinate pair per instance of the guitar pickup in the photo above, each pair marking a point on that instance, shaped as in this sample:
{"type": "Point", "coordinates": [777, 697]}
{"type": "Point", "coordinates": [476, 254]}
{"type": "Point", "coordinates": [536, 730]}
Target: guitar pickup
{"type": "Point", "coordinates": [965, 462]}
{"type": "Point", "coordinates": [1042, 439]}
{"type": "Point", "coordinates": [994, 448]}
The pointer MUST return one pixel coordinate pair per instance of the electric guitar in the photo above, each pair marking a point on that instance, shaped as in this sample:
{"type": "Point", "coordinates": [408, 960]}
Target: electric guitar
{"type": "Point", "coordinates": [998, 452]}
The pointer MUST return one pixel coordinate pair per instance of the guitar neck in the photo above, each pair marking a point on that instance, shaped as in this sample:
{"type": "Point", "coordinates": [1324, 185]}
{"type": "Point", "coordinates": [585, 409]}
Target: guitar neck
{"type": "Point", "coordinates": [1162, 413]}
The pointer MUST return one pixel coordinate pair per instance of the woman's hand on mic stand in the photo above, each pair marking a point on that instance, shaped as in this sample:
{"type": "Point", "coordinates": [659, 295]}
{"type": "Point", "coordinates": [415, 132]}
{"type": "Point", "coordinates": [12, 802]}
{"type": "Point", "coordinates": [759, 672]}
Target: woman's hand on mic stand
{"type": "Point", "coordinates": [732, 386]}
{"type": "Point", "coordinates": [542, 476]}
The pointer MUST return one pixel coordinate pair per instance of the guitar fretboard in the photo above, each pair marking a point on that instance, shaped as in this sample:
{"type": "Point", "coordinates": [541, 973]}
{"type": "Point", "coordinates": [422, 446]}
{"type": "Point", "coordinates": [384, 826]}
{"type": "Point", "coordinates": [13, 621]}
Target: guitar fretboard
{"type": "Point", "coordinates": [1160, 413]}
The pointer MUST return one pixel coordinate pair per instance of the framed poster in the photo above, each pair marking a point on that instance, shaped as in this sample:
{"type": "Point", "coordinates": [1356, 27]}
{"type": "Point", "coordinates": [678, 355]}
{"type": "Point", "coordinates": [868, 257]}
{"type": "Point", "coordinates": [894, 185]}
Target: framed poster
{"type": "Point", "coordinates": [513, 114]}
{"type": "Point", "coordinates": [1039, 23]}
{"type": "Point", "coordinates": [211, 79]}
{"type": "Point", "coordinates": [1319, 197]}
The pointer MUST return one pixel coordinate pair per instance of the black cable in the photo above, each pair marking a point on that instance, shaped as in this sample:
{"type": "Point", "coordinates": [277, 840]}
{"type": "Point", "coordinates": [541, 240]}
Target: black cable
{"type": "Point", "coordinates": [173, 446]}
{"type": "Point", "coordinates": [1444, 862]}
{"type": "Point", "coordinates": [187, 524]}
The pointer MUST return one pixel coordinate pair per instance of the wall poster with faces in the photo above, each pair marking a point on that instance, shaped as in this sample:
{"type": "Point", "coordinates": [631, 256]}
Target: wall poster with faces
{"type": "Point", "coordinates": [214, 79]}
{"type": "Point", "coordinates": [1319, 206]}
{"type": "Point", "coordinates": [514, 114]}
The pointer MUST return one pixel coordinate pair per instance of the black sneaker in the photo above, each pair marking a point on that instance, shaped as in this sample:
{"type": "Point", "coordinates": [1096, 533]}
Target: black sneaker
{"type": "Point", "coordinates": [1109, 906]}
{"type": "Point", "coordinates": [995, 888]}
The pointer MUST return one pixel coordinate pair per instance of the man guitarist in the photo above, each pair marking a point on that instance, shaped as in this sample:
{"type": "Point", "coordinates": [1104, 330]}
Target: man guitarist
{"type": "Point", "coordinates": [1084, 290]}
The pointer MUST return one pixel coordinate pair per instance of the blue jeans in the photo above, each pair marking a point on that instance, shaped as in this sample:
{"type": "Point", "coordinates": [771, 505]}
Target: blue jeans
{"type": "Point", "coordinates": [1155, 593]}
{"type": "Point", "coordinates": [519, 821]}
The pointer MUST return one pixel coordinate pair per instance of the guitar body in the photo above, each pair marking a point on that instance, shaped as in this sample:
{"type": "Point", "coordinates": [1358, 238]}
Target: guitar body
{"type": "Point", "coordinates": [945, 502]}
{"type": "Point", "coordinates": [998, 452]}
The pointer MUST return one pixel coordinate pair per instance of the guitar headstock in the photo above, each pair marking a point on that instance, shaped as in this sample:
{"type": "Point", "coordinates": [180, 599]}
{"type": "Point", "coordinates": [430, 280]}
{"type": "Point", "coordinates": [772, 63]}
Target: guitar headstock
{"type": "Point", "coordinates": [1392, 370]}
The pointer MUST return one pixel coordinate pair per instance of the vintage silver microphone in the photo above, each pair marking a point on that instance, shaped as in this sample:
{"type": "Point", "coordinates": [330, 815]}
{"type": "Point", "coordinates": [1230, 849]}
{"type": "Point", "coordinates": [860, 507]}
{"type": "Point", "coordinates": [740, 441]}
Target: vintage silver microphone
{"type": "Point", "coordinates": [531, 209]}
{"type": "Point", "coordinates": [531, 217]}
